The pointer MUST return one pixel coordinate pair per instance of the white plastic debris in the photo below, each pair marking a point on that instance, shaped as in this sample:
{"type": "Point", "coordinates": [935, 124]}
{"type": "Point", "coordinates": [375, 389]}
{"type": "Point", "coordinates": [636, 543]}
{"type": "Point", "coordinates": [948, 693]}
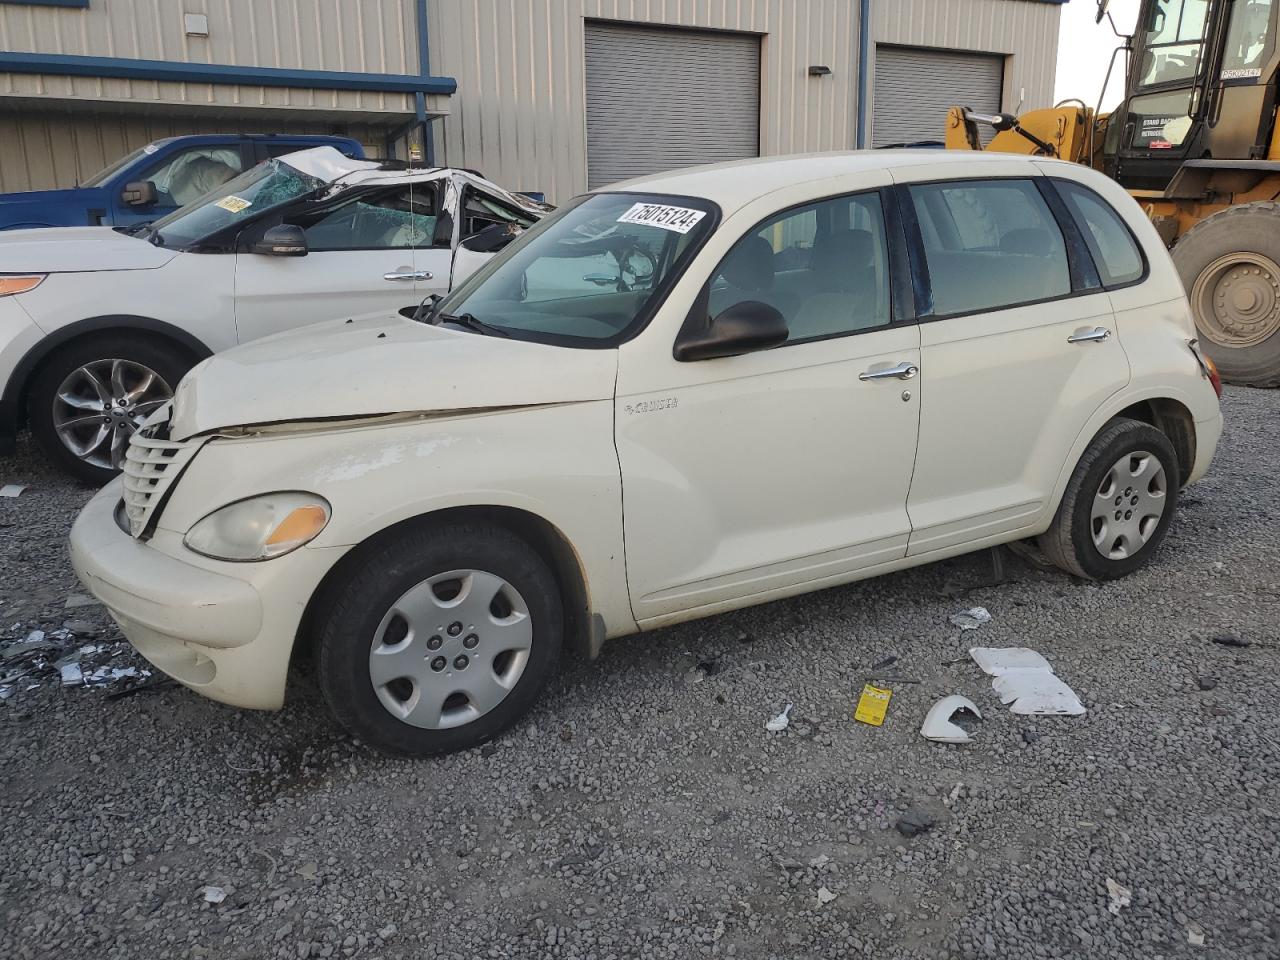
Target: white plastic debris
{"type": "Point", "coordinates": [12, 489]}
{"type": "Point", "coordinates": [825, 896]}
{"type": "Point", "coordinates": [1120, 896]}
{"type": "Point", "coordinates": [213, 894]}
{"type": "Point", "coordinates": [781, 721]}
{"type": "Point", "coordinates": [1195, 934]}
{"type": "Point", "coordinates": [71, 674]}
{"type": "Point", "coordinates": [937, 724]}
{"type": "Point", "coordinates": [1025, 679]}
{"type": "Point", "coordinates": [971, 619]}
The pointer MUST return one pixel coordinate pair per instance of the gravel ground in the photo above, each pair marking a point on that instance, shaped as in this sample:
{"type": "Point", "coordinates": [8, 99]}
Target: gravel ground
{"type": "Point", "coordinates": [644, 811]}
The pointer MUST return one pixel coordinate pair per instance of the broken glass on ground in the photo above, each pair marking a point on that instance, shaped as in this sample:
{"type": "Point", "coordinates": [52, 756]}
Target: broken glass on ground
{"type": "Point", "coordinates": [971, 619]}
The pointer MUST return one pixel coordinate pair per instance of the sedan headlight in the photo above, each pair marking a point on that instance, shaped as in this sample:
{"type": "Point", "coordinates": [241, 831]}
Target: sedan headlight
{"type": "Point", "coordinates": [9, 285]}
{"type": "Point", "coordinates": [259, 528]}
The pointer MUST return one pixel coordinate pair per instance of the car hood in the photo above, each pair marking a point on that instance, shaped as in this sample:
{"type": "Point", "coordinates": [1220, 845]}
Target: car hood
{"type": "Point", "coordinates": [77, 250]}
{"type": "Point", "coordinates": [39, 208]}
{"type": "Point", "coordinates": [381, 366]}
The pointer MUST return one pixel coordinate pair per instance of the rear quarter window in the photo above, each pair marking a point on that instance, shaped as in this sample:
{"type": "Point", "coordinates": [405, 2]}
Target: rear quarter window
{"type": "Point", "coordinates": [1115, 252]}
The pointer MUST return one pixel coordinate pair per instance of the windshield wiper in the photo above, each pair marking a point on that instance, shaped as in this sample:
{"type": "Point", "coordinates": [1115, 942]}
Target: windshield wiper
{"type": "Point", "coordinates": [469, 321]}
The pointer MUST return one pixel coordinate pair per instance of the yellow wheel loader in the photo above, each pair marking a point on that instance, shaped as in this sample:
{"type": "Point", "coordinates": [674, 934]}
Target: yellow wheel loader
{"type": "Point", "coordinates": [1196, 142]}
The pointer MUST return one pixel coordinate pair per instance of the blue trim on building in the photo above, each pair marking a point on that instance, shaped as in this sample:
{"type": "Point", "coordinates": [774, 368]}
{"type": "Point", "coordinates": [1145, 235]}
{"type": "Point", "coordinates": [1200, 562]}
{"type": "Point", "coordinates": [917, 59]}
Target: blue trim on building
{"type": "Point", "coordinates": [122, 68]}
{"type": "Point", "coordinates": [864, 60]}
{"type": "Point", "coordinates": [76, 4]}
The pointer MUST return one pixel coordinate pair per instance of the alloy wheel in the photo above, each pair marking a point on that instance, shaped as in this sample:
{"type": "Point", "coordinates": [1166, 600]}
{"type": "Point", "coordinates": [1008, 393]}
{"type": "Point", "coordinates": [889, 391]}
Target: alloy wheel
{"type": "Point", "coordinates": [1128, 505]}
{"type": "Point", "coordinates": [100, 405]}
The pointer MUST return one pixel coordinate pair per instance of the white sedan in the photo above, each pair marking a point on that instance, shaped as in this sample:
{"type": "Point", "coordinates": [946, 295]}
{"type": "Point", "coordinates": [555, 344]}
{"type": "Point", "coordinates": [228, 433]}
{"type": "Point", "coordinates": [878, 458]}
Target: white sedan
{"type": "Point", "coordinates": [772, 376]}
{"type": "Point", "coordinates": [98, 325]}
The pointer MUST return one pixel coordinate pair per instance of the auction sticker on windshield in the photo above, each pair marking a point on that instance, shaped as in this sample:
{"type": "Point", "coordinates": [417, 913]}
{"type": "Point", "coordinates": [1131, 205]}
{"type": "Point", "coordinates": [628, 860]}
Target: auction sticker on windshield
{"type": "Point", "coordinates": [234, 204]}
{"type": "Point", "coordinates": [677, 219]}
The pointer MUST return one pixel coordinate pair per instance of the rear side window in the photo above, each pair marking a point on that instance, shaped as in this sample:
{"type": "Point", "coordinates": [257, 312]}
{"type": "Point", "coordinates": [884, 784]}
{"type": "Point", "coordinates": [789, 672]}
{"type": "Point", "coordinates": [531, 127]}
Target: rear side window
{"type": "Point", "coordinates": [1115, 253]}
{"type": "Point", "coordinates": [989, 244]}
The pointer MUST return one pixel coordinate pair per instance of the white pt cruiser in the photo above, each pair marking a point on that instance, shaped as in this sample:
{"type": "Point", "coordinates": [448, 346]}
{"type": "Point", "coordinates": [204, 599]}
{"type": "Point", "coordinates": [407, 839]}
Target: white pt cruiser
{"type": "Point", "coordinates": [674, 397]}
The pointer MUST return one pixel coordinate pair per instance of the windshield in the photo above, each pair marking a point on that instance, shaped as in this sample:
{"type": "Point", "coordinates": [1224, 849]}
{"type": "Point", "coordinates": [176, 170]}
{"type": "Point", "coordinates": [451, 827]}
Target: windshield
{"type": "Point", "coordinates": [588, 274]}
{"type": "Point", "coordinates": [107, 172]}
{"type": "Point", "coordinates": [1172, 41]}
{"type": "Point", "coordinates": [267, 185]}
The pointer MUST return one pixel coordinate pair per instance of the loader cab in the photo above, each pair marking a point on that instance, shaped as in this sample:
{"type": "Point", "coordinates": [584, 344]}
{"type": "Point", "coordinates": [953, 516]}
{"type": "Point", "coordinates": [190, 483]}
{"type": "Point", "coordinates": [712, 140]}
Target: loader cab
{"type": "Point", "coordinates": [1200, 84]}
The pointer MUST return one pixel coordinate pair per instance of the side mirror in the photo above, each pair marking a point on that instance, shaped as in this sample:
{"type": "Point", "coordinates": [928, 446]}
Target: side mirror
{"type": "Point", "coordinates": [1102, 10]}
{"type": "Point", "coordinates": [140, 193]}
{"type": "Point", "coordinates": [743, 328]}
{"type": "Point", "coordinates": [282, 240]}
{"type": "Point", "coordinates": [492, 238]}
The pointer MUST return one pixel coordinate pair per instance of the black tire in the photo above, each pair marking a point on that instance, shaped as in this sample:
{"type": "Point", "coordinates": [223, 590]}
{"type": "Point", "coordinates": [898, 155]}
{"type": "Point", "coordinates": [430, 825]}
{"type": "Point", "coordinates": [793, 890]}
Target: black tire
{"type": "Point", "coordinates": [1251, 228]}
{"type": "Point", "coordinates": [169, 362]}
{"type": "Point", "coordinates": [386, 570]}
{"type": "Point", "coordinates": [1069, 541]}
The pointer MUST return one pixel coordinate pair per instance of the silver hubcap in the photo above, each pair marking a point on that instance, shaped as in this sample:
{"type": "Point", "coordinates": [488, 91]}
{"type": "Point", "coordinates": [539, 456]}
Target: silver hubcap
{"type": "Point", "coordinates": [100, 405]}
{"type": "Point", "coordinates": [1128, 505]}
{"type": "Point", "coordinates": [451, 649]}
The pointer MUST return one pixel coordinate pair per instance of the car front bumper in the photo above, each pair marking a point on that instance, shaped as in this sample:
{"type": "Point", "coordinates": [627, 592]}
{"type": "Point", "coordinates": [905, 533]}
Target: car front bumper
{"type": "Point", "coordinates": [226, 630]}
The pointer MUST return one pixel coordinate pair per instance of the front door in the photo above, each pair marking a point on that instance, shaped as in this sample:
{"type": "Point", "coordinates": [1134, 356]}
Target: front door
{"type": "Point", "coordinates": [1019, 353]}
{"type": "Point", "coordinates": [746, 478]}
{"type": "Point", "coordinates": [369, 253]}
{"type": "Point", "coordinates": [181, 178]}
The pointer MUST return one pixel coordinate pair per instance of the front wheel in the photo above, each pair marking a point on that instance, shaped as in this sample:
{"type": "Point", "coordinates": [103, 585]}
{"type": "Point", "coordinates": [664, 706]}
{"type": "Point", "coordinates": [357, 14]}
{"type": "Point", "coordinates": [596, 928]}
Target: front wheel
{"type": "Point", "coordinates": [1118, 504]}
{"type": "Point", "coordinates": [441, 639]}
{"type": "Point", "coordinates": [88, 398]}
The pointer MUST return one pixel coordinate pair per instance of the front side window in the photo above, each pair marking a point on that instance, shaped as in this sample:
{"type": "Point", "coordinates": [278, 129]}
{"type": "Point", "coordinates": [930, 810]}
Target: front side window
{"type": "Point", "coordinates": [1246, 39]}
{"type": "Point", "coordinates": [390, 221]}
{"type": "Point", "coordinates": [1115, 253]}
{"type": "Point", "coordinates": [237, 201]}
{"type": "Point", "coordinates": [989, 244]}
{"type": "Point", "coordinates": [1172, 41]}
{"type": "Point", "coordinates": [189, 175]}
{"type": "Point", "coordinates": [823, 266]}
{"type": "Point", "coordinates": [591, 273]}
{"type": "Point", "coordinates": [480, 212]}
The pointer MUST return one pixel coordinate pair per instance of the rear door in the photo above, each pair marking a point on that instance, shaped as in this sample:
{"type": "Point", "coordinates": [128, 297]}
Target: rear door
{"type": "Point", "coordinates": [368, 252]}
{"type": "Point", "coordinates": [1017, 352]}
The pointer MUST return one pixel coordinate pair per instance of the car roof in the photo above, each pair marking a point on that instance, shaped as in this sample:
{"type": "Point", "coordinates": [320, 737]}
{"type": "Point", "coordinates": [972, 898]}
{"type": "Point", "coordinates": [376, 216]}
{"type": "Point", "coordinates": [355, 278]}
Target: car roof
{"type": "Point", "coordinates": [734, 184]}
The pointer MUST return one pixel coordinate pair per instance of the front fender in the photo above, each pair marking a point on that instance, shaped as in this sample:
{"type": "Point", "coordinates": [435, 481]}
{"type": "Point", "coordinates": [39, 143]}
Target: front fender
{"type": "Point", "coordinates": [556, 462]}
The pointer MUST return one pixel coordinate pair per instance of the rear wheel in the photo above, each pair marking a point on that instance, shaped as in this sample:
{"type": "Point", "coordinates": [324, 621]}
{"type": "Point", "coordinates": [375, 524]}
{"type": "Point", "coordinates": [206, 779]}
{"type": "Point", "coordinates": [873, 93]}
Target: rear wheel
{"type": "Point", "coordinates": [1230, 266]}
{"type": "Point", "coordinates": [441, 639]}
{"type": "Point", "coordinates": [88, 398]}
{"type": "Point", "coordinates": [1118, 504]}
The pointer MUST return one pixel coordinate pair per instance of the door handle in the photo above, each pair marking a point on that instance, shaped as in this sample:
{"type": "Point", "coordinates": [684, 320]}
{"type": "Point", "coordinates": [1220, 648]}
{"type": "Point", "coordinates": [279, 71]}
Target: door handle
{"type": "Point", "coordinates": [903, 371]}
{"type": "Point", "coordinates": [1096, 335]}
{"type": "Point", "coordinates": [408, 275]}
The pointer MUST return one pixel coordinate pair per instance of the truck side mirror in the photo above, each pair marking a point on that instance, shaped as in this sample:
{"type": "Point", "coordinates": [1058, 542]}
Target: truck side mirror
{"type": "Point", "coordinates": [1102, 10]}
{"type": "Point", "coordinates": [140, 193]}
{"type": "Point", "coordinates": [282, 240]}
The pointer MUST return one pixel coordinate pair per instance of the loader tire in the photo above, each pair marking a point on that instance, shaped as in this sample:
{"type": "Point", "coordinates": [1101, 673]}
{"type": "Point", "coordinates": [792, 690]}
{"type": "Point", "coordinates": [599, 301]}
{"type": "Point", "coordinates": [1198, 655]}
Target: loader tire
{"type": "Point", "coordinates": [1230, 266]}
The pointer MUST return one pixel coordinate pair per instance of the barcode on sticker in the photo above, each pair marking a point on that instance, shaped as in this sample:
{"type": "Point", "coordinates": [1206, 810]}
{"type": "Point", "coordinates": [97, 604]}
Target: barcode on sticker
{"type": "Point", "coordinates": [676, 219]}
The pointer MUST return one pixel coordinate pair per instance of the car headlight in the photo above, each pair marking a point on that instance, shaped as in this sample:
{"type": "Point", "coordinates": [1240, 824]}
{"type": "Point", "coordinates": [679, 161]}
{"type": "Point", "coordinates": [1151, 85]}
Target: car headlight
{"type": "Point", "coordinates": [9, 285]}
{"type": "Point", "coordinates": [259, 528]}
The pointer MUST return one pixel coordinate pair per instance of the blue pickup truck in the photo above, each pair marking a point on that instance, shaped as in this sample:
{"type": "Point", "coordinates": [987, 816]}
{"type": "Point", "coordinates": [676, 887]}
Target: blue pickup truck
{"type": "Point", "coordinates": [155, 180]}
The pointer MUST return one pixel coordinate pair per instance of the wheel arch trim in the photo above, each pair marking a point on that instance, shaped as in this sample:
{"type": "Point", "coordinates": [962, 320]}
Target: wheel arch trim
{"type": "Point", "coordinates": [15, 390]}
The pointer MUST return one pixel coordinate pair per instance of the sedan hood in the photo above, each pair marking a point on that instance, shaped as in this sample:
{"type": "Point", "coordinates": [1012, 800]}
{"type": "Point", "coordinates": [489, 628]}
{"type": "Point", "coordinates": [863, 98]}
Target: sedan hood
{"type": "Point", "coordinates": [77, 250]}
{"type": "Point", "coordinates": [378, 366]}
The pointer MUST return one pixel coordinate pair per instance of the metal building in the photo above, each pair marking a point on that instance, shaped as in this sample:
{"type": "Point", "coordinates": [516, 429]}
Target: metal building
{"type": "Point", "coordinates": [550, 95]}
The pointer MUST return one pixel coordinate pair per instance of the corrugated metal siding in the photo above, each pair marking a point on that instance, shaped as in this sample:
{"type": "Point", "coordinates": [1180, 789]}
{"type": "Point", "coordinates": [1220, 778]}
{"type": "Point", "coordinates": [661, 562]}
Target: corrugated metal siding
{"type": "Point", "coordinates": [1026, 32]}
{"type": "Point", "coordinates": [915, 87]}
{"type": "Point", "coordinates": [371, 36]}
{"type": "Point", "coordinates": [520, 114]}
{"type": "Point", "coordinates": [659, 98]}
{"type": "Point", "coordinates": [48, 151]}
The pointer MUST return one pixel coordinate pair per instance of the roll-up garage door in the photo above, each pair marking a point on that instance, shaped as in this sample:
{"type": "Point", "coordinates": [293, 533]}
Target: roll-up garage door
{"type": "Point", "coordinates": [915, 87]}
{"type": "Point", "coordinates": [659, 99]}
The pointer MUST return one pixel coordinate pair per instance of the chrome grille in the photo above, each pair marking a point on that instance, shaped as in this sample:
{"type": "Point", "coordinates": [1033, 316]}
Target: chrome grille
{"type": "Point", "coordinates": [151, 465]}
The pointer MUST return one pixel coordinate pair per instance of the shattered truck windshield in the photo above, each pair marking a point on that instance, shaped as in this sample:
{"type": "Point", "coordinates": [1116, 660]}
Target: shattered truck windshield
{"type": "Point", "coordinates": [267, 185]}
{"type": "Point", "coordinates": [590, 274]}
